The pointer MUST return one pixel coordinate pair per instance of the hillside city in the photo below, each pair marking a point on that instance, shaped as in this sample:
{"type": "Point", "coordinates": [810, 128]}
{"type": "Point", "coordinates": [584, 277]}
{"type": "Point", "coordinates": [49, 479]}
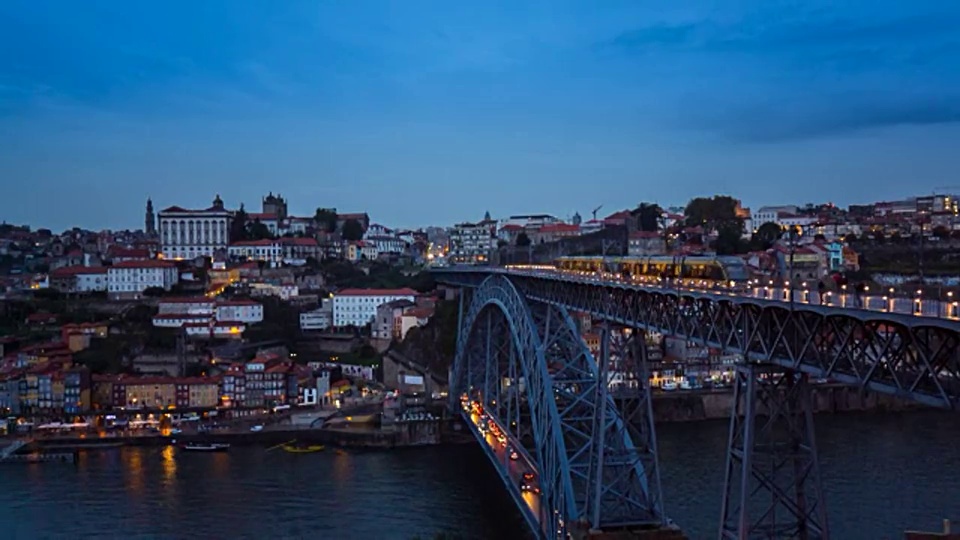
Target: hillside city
{"type": "Point", "coordinates": [230, 312]}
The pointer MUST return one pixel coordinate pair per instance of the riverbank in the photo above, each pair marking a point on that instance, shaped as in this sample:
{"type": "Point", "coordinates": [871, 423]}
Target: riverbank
{"type": "Point", "coordinates": [401, 434]}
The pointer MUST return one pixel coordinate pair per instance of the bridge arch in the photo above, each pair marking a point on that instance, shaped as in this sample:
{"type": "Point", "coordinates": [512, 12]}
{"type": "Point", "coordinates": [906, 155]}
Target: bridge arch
{"type": "Point", "coordinates": [529, 367]}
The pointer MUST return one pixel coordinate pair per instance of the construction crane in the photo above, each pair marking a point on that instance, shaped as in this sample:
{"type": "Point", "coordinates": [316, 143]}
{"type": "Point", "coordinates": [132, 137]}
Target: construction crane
{"type": "Point", "coordinates": [595, 210]}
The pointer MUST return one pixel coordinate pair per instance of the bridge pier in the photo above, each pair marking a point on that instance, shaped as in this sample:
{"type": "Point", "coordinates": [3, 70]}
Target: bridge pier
{"type": "Point", "coordinates": [772, 483]}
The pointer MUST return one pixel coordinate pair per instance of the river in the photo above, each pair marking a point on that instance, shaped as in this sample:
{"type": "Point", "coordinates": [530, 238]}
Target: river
{"type": "Point", "coordinates": [882, 474]}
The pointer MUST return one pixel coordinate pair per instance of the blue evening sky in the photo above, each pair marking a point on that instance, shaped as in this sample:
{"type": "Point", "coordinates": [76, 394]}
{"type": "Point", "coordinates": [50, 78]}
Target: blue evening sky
{"type": "Point", "coordinates": [432, 112]}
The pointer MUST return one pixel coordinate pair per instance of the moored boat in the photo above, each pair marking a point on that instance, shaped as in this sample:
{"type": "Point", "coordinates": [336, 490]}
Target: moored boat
{"type": "Point", "coordinates": [205, 447]}
{"type": "Point", "coordinates": [294, 448]}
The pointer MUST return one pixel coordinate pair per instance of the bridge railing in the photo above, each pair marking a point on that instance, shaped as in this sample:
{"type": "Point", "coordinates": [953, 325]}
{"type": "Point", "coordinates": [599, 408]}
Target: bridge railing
{"type": "Point", "coordinates": [920, 304]}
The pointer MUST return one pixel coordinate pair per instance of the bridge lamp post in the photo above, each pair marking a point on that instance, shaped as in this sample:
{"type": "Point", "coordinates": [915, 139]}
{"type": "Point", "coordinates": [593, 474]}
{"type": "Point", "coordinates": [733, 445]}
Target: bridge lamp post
{"type": "Point", "coordinates": [887, 306]}
{"type": "Point", "coordinates": [843, 296]}
{"type": "Point", "coordinates": [951, 306]}
{"type": "Point", "coordinates": [918, 303]}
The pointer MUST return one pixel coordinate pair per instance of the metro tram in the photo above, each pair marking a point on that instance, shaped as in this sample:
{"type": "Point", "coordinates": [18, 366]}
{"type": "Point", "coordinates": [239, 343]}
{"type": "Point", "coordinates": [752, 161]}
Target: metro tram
{"type": "Point", "coordinates": [701, 267]}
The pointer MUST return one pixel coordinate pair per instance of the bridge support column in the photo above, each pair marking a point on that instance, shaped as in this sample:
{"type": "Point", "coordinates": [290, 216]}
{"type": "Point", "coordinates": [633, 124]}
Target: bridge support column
{"type": "Point", "coordinates": [772, 481]}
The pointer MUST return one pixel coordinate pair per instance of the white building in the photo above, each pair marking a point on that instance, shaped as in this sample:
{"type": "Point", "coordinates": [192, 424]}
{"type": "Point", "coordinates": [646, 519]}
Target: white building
{"type": "Point", "coordinates": [267, 250]}
{"type": "Point", "coordinates": [471, 243]}
{"type": "Point", "coordinates": [532, 220]}
{"type": "Point", "coordinates": [128, 280]}
{"type": "Point", "coordinates": [318, 319]}
{"type": "Point", "coordinates": [246, 311]}
{"type": "Point", "coordinates": [187, 234]}
{"type": "Point", "coordinates": [177, 312]}
{"type": "Point", "coordinates": [358, 307]}
{"type": "Point", "coordinates": [79, 279]}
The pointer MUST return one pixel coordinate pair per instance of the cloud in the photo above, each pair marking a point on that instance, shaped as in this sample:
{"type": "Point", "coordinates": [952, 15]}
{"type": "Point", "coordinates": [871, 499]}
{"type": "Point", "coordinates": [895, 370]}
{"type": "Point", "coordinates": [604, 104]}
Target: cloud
{"type": "Point", "coordinates": [802, 75]}
{"type": "Point", "coordinates": [770, 124]}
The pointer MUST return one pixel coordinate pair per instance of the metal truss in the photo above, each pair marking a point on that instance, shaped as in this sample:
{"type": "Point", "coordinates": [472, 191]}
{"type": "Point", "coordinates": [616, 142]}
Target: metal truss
{"type": "Point", "coordinates": [772, 481]}
{"type": "Point", "coordinates": [915, 358]}
{"type": "Point", "coordinates": [528, 365]}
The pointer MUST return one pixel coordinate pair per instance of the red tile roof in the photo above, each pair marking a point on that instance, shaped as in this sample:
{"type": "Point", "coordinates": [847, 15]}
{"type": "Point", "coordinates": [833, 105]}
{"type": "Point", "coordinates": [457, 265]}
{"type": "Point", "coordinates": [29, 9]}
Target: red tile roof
{"type": "Point", "coordinates": [262, 217]}
{"type": "Point", "coordinates": [644, 235]}
{"type": "Point", "coordinates": [377, 292]}
{"type": "Point", "coordinates": [144, 264]}
{"type": "Point", "coordinates": [511, 227]}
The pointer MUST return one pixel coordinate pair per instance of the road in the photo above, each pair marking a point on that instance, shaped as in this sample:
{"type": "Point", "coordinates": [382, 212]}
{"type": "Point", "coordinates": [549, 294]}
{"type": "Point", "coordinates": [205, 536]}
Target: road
{"type": "Point", "coordinates": [515, 468]}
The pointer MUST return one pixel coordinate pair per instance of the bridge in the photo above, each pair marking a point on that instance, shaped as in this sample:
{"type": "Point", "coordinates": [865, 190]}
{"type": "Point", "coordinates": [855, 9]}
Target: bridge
{"type": "Point", "coordinates": [579, 459]}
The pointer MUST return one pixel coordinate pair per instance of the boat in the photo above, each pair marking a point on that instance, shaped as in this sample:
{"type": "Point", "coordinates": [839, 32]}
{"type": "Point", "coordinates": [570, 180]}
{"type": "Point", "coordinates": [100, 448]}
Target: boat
{"type": "Point", "coordinates": [294, 448]}
{"type": "Point", "coordinates": [205, 447]}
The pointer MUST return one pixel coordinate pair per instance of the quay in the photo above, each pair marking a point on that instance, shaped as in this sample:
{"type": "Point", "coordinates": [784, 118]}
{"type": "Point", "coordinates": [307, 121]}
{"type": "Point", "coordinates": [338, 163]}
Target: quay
{"type": "Point", "coordinates": [13, 453]}
{"type": "Point", "coordinates": [41, 457]}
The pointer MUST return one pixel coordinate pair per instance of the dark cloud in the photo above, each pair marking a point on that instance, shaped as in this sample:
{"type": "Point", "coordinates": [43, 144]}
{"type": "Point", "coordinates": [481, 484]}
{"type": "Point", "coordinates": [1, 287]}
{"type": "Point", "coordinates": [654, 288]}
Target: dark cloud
{"type": "Point", "coordinates": [788, 122]}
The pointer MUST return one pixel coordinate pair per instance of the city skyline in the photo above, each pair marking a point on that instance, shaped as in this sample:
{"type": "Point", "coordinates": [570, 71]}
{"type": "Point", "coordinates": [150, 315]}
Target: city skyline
{"type": "Point", "coordinates": [433, 116]}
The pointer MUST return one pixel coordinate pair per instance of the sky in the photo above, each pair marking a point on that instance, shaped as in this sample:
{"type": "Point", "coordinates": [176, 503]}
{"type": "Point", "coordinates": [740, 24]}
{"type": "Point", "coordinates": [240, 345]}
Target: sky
{"type": "Point", "coordinates": [433, 112]}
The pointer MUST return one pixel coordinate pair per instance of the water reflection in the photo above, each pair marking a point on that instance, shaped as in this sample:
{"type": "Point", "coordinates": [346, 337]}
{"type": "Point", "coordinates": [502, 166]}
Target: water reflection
{"type": "Point", "coordinates": [134, 470]}
{"type": "Point", "coordinates": [169, 464]}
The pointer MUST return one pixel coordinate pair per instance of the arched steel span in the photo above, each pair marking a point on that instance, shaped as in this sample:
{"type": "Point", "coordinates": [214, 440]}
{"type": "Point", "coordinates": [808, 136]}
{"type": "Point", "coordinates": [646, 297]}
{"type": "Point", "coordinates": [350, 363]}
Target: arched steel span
{"type": "Point", "coordinates": [915, 358]}
{"type": "Point", "coordinates": [532, 371]}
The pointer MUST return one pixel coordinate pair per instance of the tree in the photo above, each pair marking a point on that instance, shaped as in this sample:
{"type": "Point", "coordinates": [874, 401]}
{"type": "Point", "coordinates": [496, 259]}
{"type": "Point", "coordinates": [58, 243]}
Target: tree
{"type": "Point", "coordinates": [711, 212]}
{"type": "Point", "coordinates": [878, 235]}
{"type": "Point", "coordinates": [326, 219]}
{"type": "Point", "coordinates": [819, 237]}
{"type": "Point", "coordinates": [941, 232]}
{"type": "Point", "coordinates": [523, 240]}
{"type": "Point", "coordinates": [352, 230]}
{"type": "Point", "coordinates": [647, 216]}
{"type": "Point", "coordinates": [153, 292]}
{"type": "Point", "coordinates": [850, 238]}
{"type": "Point", "coordinates": [766, 235]}
{"type": "Point", "coordinates": [258, 231]}
{"type": "Point", "coordinates": [238, 227]}
{"type": "Point", "coordinates": [729, 238]}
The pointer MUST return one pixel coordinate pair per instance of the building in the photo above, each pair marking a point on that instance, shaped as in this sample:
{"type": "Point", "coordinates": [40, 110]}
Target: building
{"type": "Point", "coordinates": [362, 218]}
{"type": "Point", "coordinates": [127, 280]}
{"type": "Point", "coordinates": [76, 391]}
{"type": "Point", "coordinates": [318, 319]}
{"type": "Point", "coordinates": [188, 234]}
{"type": "Point", "coordinates": [534, 221]}
{"type": "Point", "coordinates": [79, 279]}
{"type": "Point", "coordinates": [267, 250]}
{"type": "Point", "coordinates": [246, 311]}
{"type": "Point", "coordinates": [361, 251]}
{"type": "Point", "coordinates": [150, 222]}
{"type": "Point", "coordinates": [274, 205]}
{"type": "Point", "coordinates": [358, 307]}
{"type": "Point", "coordinates": [387, 324]}
{"type": "Point", "coordinates": [646, 243]}
{"type": "Point", "coordinates": [472, 243]}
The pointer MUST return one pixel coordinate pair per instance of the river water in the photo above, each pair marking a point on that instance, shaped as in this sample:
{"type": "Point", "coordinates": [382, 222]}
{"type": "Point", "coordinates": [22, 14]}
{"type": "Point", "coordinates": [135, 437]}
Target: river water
{"type": "Point", "coordinates": [882, 474]}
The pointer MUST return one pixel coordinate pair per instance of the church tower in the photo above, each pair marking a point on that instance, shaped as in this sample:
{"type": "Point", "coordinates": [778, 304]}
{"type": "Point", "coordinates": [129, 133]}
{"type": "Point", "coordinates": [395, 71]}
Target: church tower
{"type": "Point", "coordinates": [150, 227]}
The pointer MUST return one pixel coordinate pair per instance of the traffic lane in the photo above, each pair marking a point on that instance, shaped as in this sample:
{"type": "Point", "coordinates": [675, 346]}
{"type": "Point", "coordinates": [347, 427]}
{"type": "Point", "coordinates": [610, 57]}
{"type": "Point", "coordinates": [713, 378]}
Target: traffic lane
{"type": "Point", "coordinates": [515, 468]}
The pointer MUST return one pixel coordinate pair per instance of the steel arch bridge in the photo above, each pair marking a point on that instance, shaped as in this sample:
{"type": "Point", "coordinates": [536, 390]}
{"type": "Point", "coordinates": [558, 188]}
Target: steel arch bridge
{"type": "Point", "coordinates": [526, 365]}
{"type": "Point", "coordinates": [521, 356]}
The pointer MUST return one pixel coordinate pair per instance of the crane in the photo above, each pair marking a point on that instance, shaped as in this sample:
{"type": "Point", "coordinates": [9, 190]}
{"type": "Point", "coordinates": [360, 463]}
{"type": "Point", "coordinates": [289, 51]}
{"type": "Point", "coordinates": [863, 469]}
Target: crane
{"type": "Point", "coordinates": [595, 210]}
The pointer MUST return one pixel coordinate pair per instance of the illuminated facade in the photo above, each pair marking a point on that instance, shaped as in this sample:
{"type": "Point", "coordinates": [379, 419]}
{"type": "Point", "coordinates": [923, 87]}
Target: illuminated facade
{"type": "Point", "coordinates": [188, 234]}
